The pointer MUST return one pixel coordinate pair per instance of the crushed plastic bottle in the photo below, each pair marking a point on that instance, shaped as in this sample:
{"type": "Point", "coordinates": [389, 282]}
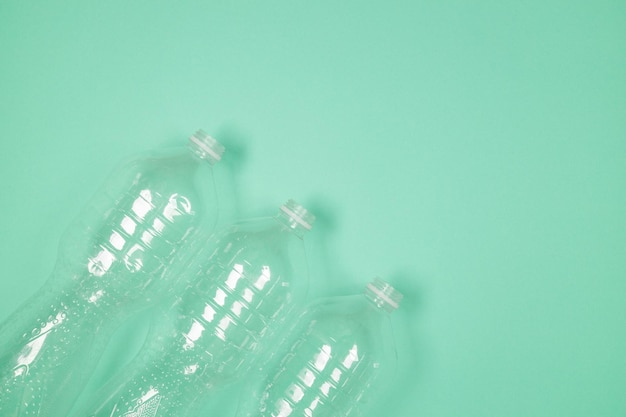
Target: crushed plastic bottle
{"type": "Point", "coordinates": [340, 357]}
{"type": "Point", "coordinates": [121, 254]}
{"type": "Point", "coordinates": [239, 298]}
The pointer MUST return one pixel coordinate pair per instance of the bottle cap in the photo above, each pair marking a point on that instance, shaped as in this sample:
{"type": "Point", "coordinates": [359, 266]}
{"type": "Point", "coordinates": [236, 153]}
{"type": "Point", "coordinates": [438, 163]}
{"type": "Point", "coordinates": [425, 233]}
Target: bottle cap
{"type": "Point", "coordinates": [383, 295]}
{"type": "Point", "coordinates": [206, 147]}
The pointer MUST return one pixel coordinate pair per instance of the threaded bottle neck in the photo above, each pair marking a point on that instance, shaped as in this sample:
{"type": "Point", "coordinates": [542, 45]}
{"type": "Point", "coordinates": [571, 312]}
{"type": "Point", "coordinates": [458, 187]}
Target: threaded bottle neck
{"type": "Point", "coordinates": [383, 295]}
{"type": "Point", "coordinates": [296, 217]}
{"type": "Point", "coordinates": [206, 147]}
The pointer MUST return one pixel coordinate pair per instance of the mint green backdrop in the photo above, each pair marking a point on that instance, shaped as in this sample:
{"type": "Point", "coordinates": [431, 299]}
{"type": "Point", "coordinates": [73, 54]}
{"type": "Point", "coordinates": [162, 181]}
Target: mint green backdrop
{"type": "Point", "coordinates": [472, 154]}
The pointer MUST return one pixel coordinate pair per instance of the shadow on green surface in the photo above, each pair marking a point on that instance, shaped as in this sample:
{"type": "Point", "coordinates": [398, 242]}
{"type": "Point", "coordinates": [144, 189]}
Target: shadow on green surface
{"type": "Point", "coordinates": [231, 166]}
{"type": "Point", "coordinates": [326, 267]}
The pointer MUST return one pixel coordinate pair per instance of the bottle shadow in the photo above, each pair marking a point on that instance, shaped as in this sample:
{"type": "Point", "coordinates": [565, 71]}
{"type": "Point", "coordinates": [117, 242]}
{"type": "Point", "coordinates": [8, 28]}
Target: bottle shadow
{"type": "Point", "coordinates": [228, 176]}
{"type": "Point", "coordinates": [325, 268]}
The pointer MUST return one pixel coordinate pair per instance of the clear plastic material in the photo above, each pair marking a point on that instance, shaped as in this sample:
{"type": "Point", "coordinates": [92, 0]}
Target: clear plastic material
{"type": "Point", "coordinates": [241, 294]}
{"type": "Point", "coordinates": [121, 254]}
{"type": "Point", "coordinates": [340, 356]}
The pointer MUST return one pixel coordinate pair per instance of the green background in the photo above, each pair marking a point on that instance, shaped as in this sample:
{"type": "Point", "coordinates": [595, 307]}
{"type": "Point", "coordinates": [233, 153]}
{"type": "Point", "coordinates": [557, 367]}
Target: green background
{"type": "Point", "coordinates": [472, 154]}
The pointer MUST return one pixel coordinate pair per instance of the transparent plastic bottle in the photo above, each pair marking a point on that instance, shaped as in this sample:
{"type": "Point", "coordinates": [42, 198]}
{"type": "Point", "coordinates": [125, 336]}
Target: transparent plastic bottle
{"type": "Point", "coordinates": [121, 254]}
{"type": "Point", "coordinates": [241, 294]}
{"type": "Point", "coordinates": [340, 356]}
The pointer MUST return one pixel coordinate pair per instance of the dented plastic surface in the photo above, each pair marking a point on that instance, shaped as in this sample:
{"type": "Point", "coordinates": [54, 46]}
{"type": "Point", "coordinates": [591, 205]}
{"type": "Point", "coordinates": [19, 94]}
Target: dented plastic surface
{"type": "Point", "coordinates": [340, 357]}
{"type": "Point", "coordinates": [239, 298]}
{"type": "Point", "coordinates": [120, 255]}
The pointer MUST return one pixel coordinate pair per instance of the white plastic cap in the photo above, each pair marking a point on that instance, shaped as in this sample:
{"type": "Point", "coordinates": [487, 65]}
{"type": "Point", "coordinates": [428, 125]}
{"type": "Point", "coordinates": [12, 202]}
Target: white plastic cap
{"type": "Point", "coordinates": [383, 295]}
{"type": "Point", "coordinates": [206, 147]}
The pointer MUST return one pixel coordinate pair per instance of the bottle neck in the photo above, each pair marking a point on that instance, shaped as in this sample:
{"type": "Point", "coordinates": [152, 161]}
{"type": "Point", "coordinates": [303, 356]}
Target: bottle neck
{"type": "Point", "coordinates": [383, 296]}
{"type": "Point", "coordinates": [205, 147]}
{"type": "Point", "coordinates": [291, 224]}
{"type": "Point", "coordinates": [295, 217]}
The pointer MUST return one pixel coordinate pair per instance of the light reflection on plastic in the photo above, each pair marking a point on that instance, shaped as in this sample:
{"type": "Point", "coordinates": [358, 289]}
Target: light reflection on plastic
{"type": "Point", "coordinates": [335, 374]}
{"type": "Point", "coordinates": [117, 241]}
{"type": "Point", "coordinates": [325, 388]}
{"type": "Point", "coordinates": [128, 225]}
{"type": "Point", "coordinates": [101, 263]}
{"type": "Point", "coordinates": [193, 334]}
{"type": "Point", "coordinates": [134, 258]}
{"type": "Point", "coordinates": [353, 356]}
{"type": "Point", "coordinates": [312, 406]}
{"type": "Point", "coordinates": [307, 377]}
{"type": "Point", "coordinates": [222, 326]}
{"type": "Point", "coordinates": [264, 278]}
{"type": "Point", "coordinates": [148, 405]}
{"type": "Point", "coordinates": [209, 313]}
{"type": "Point", "coordinates": [284, 409]}
{"type": "Point", "coordinates": [190, 369]}
{"type": "Point", "coordinates": [234, 276]}
{"type": "Point", "coordinates": [296, 393]}
{"type": "Point", "coordinates": [142, 204]}
{"type": "Point", "coordinates": [176, 206]}
{"type": "Point", "coordinates": [322, 358]}
{"type": "Point", "coordinates": [30, 351]}
{"type": "Point", "coordinates": [236, 308]}
{"type": "Point", "coordinates": [158, 225]}
{"type": "Point", "coordinates": [220, 297]}
{"type": "Point", "coordinates": [248, 295]}
{"type": "Point", "coordinates": [146, 237]}
{"type": "Point", "coordinates": [94, 297]}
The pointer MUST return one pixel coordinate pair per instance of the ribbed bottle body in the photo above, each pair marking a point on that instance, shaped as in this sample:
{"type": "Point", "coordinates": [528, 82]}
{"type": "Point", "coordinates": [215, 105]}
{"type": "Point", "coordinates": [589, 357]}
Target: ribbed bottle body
{"type": "Point", "coordinates": [145, 233]}
{"type": "Point", "coordinates": [341, 349]}
{"type": "Point", "coordinates": [239, 296]}
{"type": "Point", "coordinates": [118, 256]}
{"type": "Point", "coordinates": [37, 369]}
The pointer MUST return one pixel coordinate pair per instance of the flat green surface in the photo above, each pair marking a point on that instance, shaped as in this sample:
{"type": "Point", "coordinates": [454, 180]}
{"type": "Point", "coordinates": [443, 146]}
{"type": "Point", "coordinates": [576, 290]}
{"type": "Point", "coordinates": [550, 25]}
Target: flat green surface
{"type": "Point", "coordinates": [474, 155]}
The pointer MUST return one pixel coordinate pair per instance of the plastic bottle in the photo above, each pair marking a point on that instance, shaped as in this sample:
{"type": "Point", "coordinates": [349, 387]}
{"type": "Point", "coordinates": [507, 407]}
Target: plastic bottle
{"type": "Point", "coordinates": [121, 254]}
{"type": "Point", "coordinates": [240, 296]}
{"type": "Point", "coordinates": [340, 357]}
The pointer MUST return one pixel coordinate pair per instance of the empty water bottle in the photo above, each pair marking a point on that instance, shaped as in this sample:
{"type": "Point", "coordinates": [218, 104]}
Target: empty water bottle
{"type": "Point", "coordinates": [119, 255]}
{"type": "Point", "coordinates": [239, 298]}
{"type": "Point", "coordinates": [340, 357]}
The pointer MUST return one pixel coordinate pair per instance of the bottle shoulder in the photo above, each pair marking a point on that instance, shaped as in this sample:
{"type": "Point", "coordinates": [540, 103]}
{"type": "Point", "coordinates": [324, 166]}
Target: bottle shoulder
{"type": "Point", "coordinates": [145, 220]}
{"type": "Point", "coordinates": [352, 324]}
{"type": "Point", "coordinates": [258, 241]}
